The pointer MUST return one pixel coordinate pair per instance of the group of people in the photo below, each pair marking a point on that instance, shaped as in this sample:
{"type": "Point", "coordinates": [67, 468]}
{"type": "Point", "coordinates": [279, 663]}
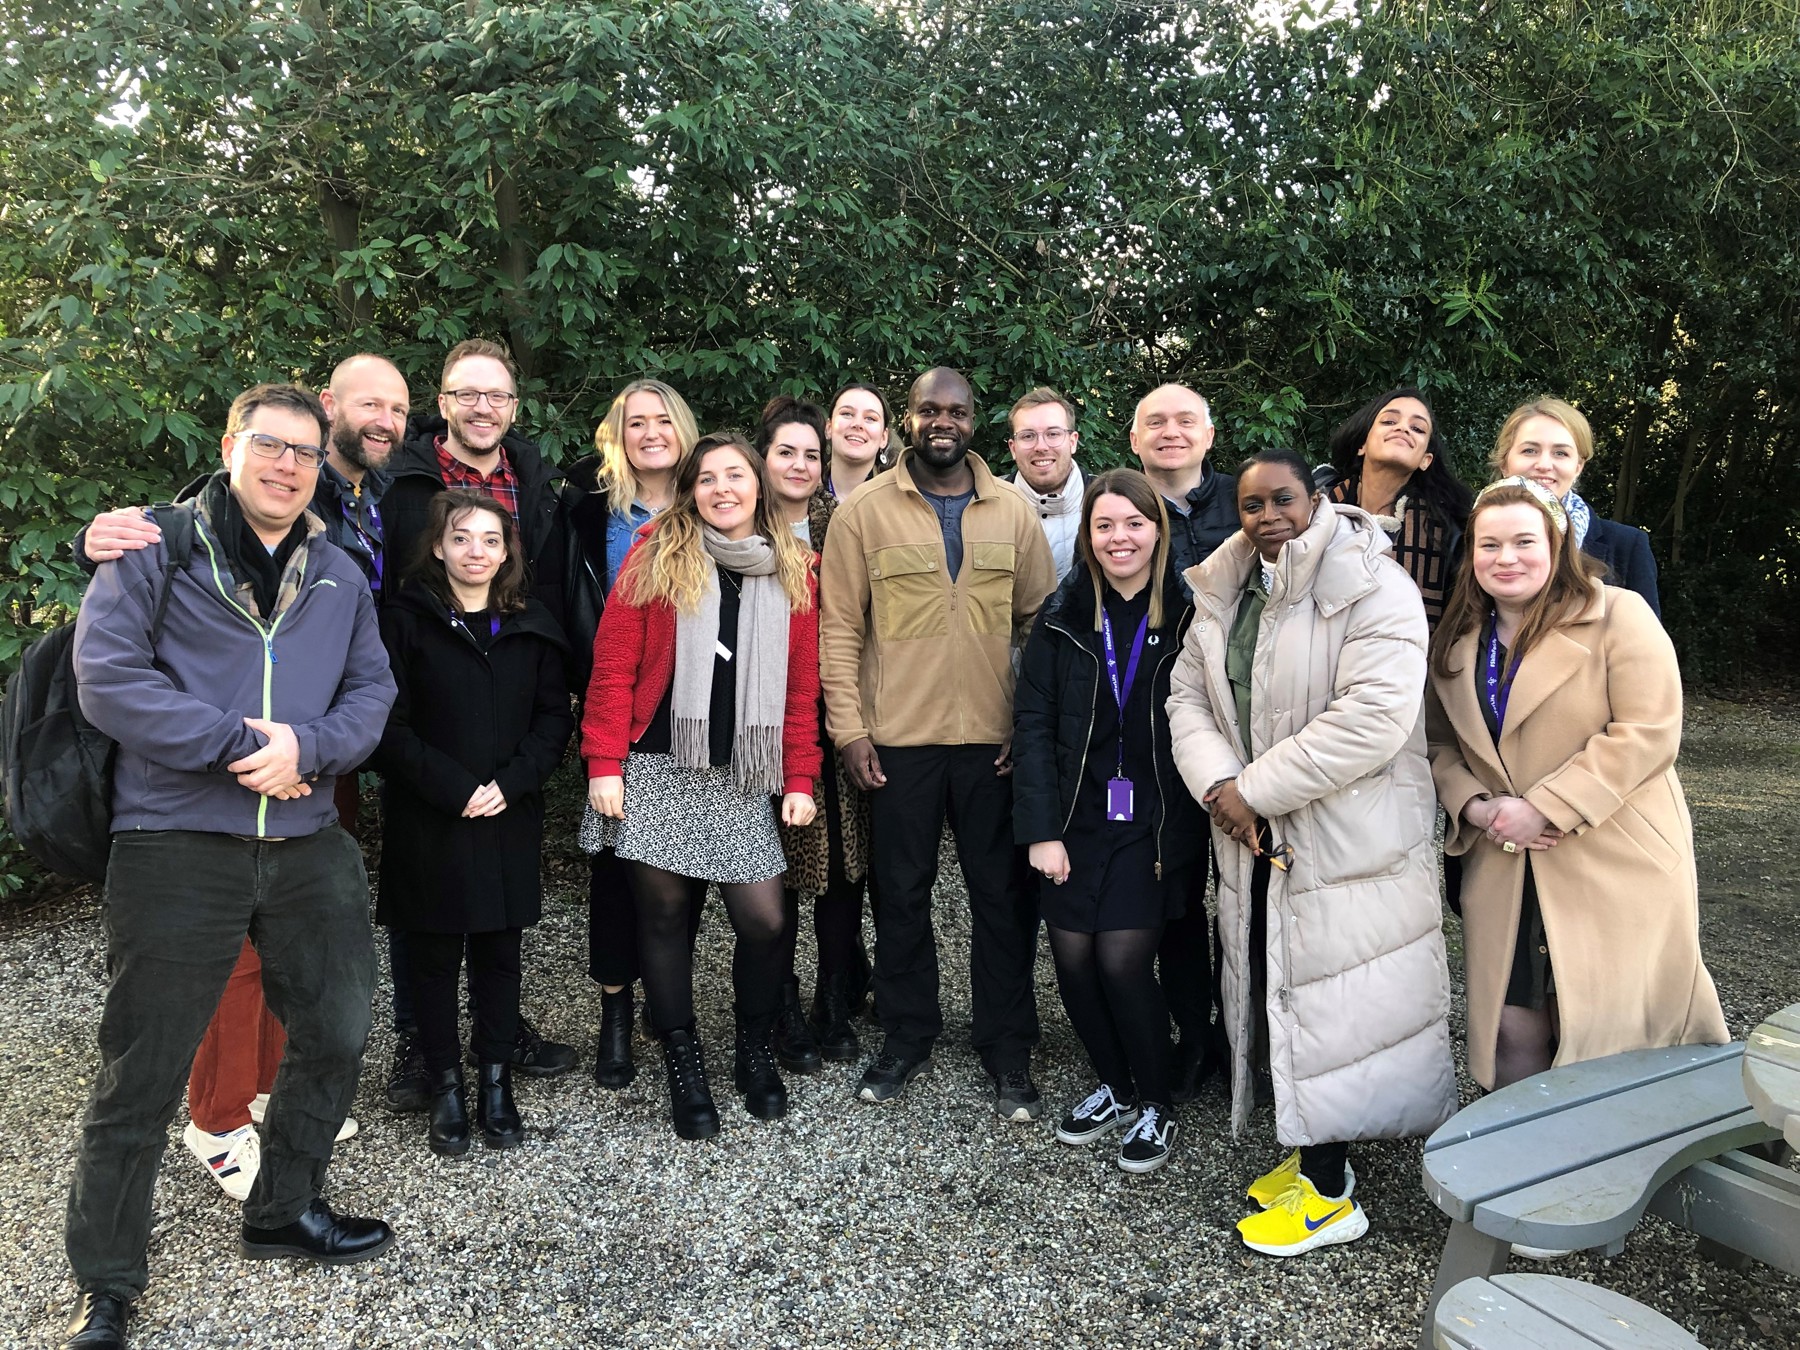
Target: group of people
{"type": "Point", "coordinates": [791, 659]}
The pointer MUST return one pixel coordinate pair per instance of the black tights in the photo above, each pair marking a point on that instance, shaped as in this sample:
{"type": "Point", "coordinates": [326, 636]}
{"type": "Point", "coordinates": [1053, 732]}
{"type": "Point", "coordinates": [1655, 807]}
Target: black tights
{"type": "Point", "coordinates": [1108, 983]}
{"type": "Point", "coordinates": [667, 903]}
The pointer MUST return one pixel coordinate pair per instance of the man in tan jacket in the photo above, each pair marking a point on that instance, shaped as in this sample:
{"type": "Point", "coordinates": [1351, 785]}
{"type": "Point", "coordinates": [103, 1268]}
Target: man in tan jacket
{"type": "Point", "coordinates": [931, 577]}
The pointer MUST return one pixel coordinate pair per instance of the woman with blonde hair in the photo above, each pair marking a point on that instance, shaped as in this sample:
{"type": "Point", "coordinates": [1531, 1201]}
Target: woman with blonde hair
{"type": "Point", "coordinates": [701, 709]}
{"type": "Point", "coordinates": [1555, 721]}
{"type": "Point", "coordinates": [641, 443]}
{"type": "Point", "coordinates": [1550, 442]}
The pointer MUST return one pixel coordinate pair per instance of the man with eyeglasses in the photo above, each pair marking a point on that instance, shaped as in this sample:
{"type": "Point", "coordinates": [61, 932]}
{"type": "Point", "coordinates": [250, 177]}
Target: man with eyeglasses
{"type": "Point", "coordinates": [224, 829]}
{"type": "Point", "coordinates": [1043, 444]}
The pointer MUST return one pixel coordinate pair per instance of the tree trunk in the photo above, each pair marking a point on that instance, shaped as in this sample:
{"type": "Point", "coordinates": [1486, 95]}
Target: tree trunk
{"type": "Point", "coordinates": [515, 263]}
{"type": "Point", "coordinates": [1632, 457]}
{"type": "Point", "coordinates": [342, 210]}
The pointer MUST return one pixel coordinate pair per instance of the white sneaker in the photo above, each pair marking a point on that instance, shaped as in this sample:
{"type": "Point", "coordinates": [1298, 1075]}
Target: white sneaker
{"type": "Point", "coordinates": [231, 1159]}
{"type": "Point", "coordinates": [1520, 1249]}
{"type": "Point", "coordinates": [259, 1105]}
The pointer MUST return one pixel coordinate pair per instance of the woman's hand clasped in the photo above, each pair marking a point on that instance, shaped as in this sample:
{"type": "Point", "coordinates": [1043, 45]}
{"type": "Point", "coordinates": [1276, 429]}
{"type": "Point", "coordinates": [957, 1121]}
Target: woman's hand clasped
{"type": "Point", "coordinates": [1513, 823]}
{"type": "Point", "coordinates": [1232, 814]}
{"type": "Point", "coordinates": [486, 800]}
{"type": "Point", "coordinates": [797, 809]}
{"type": "Point", "coordinates": [1051, 859]}
{"type": "Point", "coordinates": [607, 796]}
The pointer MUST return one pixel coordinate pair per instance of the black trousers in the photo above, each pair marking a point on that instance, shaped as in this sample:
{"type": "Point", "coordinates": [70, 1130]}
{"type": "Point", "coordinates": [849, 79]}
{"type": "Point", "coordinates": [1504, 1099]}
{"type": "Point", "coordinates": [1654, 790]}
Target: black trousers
{"type": "Point", "coordinates": [837, 913]}
{"type": "Point", "coordinates": [1184, 960]}
{"type": "Point", "coordinates": [612, 922]}
{"type": "Point", "coordinates": [435, 963]}
{"type": "Point", "coordinates": [927, 785]}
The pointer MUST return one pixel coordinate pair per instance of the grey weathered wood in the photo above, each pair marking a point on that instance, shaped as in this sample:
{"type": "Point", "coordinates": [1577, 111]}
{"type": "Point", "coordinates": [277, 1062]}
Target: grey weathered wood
{"type": "Point", "coordinates": [1468, 1255]}
{"type": "Point", "coordinates": [1547, 1312]}
{"type": "Point", "coordinates": [1740, 1202]}
{"type": "Point", "coordinates": [1772, 1072]}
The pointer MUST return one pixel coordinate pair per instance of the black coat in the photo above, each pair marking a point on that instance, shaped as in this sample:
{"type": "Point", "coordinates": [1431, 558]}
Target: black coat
{"type": "Point", "coordinates": [415, 480]}
{"type": "Point", "coordinates": [587, 511]}
{"type": "Point", "coordinates": [1211, 519]}
{"type": "Point", "coordinates": [1061, 681]}
{"type": "Point", "coordinates": [463, 718]}
{"type": "Point", "coordinates": [1626, 552]}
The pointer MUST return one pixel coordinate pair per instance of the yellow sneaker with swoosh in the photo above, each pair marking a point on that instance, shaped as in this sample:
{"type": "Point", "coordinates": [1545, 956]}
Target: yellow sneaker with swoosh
{"type": "Point", "coordinates": [1273, 1184]}
{"type": "Point", "coordinates": [1302, 1219]}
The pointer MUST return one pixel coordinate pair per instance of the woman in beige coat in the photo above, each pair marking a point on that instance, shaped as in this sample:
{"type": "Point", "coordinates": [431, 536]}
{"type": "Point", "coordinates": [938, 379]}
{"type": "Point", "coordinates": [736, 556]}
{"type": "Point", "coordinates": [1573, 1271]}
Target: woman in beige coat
{"type": "Point", "coordinates": [1296, 710]}
{"type": "Point", "coordinates": [1554, 724]}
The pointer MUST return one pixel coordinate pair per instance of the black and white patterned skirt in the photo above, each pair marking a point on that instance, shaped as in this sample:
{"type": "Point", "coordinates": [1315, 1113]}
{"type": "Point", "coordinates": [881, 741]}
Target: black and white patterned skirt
{"type": "Point", "coordinates": [694, 822]}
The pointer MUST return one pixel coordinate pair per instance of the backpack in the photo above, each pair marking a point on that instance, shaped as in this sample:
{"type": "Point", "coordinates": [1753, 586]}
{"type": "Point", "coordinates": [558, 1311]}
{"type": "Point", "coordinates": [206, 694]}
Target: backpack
{"type": "Point", "coordinates": [55, 765]}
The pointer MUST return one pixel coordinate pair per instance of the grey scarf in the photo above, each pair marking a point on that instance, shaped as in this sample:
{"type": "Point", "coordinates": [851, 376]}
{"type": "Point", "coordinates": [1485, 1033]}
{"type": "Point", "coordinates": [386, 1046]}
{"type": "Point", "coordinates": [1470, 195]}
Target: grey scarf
{"type": "Point", "coordinates": [760, 665]}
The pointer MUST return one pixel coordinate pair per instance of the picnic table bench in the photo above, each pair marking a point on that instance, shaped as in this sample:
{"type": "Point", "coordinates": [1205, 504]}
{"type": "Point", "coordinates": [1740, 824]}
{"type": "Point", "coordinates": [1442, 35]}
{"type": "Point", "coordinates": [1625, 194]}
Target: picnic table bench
{"type": "Point", "coordinates": [1530, 1312]}
{"type": "Point", "coordinates": [1772, 1072]}
{"type": "Point", "coordinates": [1574, 1157]}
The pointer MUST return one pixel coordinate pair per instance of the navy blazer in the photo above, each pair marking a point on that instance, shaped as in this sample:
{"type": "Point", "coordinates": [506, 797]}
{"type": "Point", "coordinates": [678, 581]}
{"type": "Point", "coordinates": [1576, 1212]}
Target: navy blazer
{"type": "Point", "coordinates": [1625, 550]}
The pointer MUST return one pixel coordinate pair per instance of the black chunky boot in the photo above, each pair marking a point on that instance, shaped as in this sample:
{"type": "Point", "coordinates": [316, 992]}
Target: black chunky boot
{"type": "Point", "coordinates": [792, 1038]}
{"type": "Point", "coordinates": [494, 1109]}
{"type": "Point", "coordinates": [612, 1062]}
{"type": "Point", "coordinates": [449, 1130]}
{"type": "Point", "coordinates": [765, 1096]}
{"type": "Point", "coordinates": [690, 1100]}
{"type": "Point", "coordinates": [831, 1021]}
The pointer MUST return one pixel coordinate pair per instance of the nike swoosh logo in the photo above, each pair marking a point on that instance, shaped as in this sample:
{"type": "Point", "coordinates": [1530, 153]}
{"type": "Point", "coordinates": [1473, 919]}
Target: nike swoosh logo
{"type": "Point", "coordinates": [1312, 1227]}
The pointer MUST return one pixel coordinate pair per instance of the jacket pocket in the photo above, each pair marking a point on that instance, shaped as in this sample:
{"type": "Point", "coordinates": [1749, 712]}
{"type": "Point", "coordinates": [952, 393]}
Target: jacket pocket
{"type": "Point", "coordinates": [1647, 837]}
{"type": "Point", "coordinates": [1357, 831]}
{"type": "Point", "coordinates": [906, 592]}
{"type": "Point", "coordinates": [989, 588]}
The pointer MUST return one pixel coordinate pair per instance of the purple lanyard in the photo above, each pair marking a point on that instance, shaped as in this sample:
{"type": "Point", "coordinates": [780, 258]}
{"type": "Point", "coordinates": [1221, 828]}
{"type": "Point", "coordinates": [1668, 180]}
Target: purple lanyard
{"type": "Point", "coordinates": [1122, 690]}
{"type": "Point", "coordinates": [1498, 690]}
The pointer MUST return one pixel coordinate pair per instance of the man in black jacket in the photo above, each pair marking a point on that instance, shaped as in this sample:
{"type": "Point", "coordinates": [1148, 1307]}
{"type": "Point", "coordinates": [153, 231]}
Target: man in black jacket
{"type": "Point", "coordinates": [1170, 434]}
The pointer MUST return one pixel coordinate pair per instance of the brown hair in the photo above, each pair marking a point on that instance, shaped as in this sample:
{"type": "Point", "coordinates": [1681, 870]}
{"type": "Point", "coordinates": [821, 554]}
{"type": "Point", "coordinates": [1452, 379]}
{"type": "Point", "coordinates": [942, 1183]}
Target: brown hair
{"type": "Point", "coordinates": [1555, 409]}
{"type": "Point", "coordinates": [1136, 489]}
{"type": "Point", "coordinates": [452, 506]}
{"type": "Point", "coordinates": [1037, 398]}
{"type": "Point", "coordinates": [289, 397]}
{"type": "Point", "coordinates": [1572, 576]}
{"type": "Point", "coordinates": [671, 565]}
{"type": "Point", "coordinates": [479, 347]}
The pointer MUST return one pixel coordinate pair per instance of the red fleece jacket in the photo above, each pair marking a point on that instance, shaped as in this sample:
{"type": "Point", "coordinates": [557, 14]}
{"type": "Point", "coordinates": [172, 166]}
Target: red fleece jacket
{"type": "Point", "coordinates": [634, 664]}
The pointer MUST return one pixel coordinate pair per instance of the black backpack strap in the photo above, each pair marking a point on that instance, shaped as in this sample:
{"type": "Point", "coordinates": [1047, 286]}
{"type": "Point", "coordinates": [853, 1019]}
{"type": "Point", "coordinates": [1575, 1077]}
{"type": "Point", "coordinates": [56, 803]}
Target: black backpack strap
{"type": "Point", "coordinates": [177, 525]}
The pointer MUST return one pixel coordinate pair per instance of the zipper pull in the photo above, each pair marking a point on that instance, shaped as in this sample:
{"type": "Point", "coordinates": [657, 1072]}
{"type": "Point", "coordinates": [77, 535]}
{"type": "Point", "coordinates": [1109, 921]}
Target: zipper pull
{"type": "Point", "coordinates": [269, 647]}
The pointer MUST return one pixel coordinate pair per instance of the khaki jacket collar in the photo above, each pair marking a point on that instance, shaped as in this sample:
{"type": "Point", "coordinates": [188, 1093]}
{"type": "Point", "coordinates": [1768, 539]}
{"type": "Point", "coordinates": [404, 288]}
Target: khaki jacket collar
{"type": "Point", "coordinates": [986, 485]}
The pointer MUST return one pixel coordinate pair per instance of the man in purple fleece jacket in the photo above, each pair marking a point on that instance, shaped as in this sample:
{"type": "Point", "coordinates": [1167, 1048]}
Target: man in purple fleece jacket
{"type": "Point", "coordinates": [267, 680]}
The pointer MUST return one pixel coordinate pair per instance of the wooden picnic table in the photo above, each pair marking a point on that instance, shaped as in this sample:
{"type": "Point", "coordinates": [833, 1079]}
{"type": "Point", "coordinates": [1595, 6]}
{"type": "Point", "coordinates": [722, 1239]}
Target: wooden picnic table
{"type": "Point", "coordinates": [1772, 1073]}
{"type": "Point", "coordinates": [1574, 1158]}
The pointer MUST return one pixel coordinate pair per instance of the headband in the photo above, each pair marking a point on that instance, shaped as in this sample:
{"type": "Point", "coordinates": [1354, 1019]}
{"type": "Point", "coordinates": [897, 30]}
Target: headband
{"type": "Point", "coordinates": [1558, 514]}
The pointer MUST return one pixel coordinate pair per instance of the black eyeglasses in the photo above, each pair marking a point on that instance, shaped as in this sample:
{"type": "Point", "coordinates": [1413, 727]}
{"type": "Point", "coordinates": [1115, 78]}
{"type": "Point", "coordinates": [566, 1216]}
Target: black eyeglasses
{"type": "Point", "coordinates": [497, 399]}
{"type": "Point", "coordinates": [1280, 856]}
{"type": "Point", "coordinates": [273, 447]}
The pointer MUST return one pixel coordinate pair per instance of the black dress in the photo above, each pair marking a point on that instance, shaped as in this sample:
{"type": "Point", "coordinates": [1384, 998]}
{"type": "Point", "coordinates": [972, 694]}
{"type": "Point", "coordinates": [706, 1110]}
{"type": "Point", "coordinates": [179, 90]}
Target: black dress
{"type": "Point", "coordinates": [1112, 864]}
{"type": "Point", "coordinates": [1531, 983]}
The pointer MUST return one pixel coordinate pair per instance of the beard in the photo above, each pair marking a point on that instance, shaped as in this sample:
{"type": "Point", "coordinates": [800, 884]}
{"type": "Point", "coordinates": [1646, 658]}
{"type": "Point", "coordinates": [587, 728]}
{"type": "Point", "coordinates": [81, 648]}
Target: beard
{"type": "Point", "coordinates": [348, 442]}
{"type": "Point", "coordinates": [940, 458]}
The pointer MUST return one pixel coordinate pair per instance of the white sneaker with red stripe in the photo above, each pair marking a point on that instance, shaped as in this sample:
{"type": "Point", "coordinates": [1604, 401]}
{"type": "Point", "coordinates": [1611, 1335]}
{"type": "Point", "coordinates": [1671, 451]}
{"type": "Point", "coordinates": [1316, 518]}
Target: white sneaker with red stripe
{"type": "Point", "coordinates": [259, 1107]}
{"type": "Point", "coordinates": [231, 1159]}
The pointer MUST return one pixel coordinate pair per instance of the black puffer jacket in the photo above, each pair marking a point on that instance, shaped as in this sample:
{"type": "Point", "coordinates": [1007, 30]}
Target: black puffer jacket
{"type": "Point", "coordinates": [1061, 682]}
{"type": "Point", "coordinates": [1211, 519]}
{"type": "Point", "coordinates": [404, 508]}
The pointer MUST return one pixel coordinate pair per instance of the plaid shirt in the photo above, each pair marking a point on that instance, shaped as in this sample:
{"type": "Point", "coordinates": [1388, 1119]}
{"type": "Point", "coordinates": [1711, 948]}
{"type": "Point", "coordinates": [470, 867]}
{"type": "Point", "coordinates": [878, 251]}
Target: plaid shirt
{"type": "Point", "coordinates": [502, 485]}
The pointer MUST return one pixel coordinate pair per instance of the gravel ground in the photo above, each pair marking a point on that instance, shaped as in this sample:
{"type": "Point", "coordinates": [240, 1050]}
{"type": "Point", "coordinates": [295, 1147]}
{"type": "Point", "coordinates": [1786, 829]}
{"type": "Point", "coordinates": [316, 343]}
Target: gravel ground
{"type": "Point", "coordinates": [926, 1222]}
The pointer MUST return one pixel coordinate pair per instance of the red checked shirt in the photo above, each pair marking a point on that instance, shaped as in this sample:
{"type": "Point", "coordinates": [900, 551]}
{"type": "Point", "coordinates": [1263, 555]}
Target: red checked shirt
{"type": "Point", "coordinates": [502, 485]}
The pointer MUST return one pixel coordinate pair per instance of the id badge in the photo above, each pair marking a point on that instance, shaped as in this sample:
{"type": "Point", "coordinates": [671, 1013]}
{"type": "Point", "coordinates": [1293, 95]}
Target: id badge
{"type": "Point", "coordinates": [1118, 799]}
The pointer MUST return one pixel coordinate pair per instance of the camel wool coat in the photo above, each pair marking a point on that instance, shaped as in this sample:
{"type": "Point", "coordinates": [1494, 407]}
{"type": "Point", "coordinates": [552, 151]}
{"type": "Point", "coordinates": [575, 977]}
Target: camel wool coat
{"type": "Point", "coordinates": [1593, 725]}
{"type": "Point", "coordinates": [1358, 994]}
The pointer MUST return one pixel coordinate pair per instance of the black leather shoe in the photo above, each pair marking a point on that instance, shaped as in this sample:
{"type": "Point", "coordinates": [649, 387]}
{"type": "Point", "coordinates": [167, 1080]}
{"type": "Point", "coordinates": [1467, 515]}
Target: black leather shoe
{"type": "Point", "coordinates": [98, 1323]}
{"type": "Point", "coordinates": [449, 1131]}
{"type": "Point", "coordinates": [691, 1106]}
{"type": "Point", "coordinates": [765, 1095]}
{"type": "Point", "coordinates": [407, 1089]}
{"type": "Point", "coordinates": [612, 1061]}
{"type": "Point", "coordinates": [319, 1235]}
{"type": "Point", "coordinates": [536, 1057]}
{"type": "Point", "coordinates": [831, 1014]}
{"type": "Point", "coordinates": [792, 1037]}
{"type": "Point", "coordinates": [494, 1109]}
{"type": "Point", "coordinates": [1198, 1058]}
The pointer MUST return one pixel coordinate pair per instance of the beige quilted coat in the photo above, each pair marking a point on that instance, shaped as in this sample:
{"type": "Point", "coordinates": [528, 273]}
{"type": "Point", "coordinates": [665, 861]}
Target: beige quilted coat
{"type": "Point", "coordinates": [1358, 990]}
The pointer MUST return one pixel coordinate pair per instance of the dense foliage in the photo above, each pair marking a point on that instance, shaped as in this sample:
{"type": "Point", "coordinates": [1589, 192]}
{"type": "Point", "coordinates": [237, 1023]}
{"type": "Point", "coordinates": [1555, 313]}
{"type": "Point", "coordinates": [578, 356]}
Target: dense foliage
{"type": "Point", "coordinates": [1593, 199]}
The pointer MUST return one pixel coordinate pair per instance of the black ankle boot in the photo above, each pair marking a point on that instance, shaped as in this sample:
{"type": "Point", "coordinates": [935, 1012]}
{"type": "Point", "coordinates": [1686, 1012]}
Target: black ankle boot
{"type": "Point", "coordinates": [765, 1096]}
{"type": "Point", "coordinates": [831, 1021]}
{"type": "Point", "coordinates": [494, 1109]}
{"type": "Point", "coordinates": [792, 1038]}
{"type": "Point", "coordinates": [690, 1100]}
{"type": "Point", "coordinates": [612, 1063]}
{"type": "Point", "coordinates": [449, 1130]}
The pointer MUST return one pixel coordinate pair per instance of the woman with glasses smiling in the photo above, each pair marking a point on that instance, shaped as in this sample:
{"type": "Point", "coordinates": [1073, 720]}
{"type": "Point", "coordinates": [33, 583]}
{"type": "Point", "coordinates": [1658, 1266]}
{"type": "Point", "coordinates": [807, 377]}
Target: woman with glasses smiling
{"type": "Point", "coordinates": [1296, 713]}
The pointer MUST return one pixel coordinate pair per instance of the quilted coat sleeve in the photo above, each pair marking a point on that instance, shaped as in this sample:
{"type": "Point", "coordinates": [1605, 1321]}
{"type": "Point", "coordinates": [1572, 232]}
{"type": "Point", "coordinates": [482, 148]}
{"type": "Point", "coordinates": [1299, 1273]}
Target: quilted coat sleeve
{"type": "Point", "coordinates": [1204, 751]}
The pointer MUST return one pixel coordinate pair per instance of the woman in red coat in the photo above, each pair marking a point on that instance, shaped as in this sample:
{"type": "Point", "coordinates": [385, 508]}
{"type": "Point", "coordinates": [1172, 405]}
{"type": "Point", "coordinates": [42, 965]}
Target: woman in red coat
{"type": "Point", "coordinates": [699, 713]}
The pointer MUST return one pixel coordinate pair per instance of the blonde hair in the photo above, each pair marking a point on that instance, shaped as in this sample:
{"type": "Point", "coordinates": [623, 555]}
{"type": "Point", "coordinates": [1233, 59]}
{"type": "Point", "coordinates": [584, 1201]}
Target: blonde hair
{"type": "Point", "coordinates": [615, 476]}
{"type": "Point", "coordinates": [672, 565]}
{"type": "Point", "coordinates": [1557, 411]}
